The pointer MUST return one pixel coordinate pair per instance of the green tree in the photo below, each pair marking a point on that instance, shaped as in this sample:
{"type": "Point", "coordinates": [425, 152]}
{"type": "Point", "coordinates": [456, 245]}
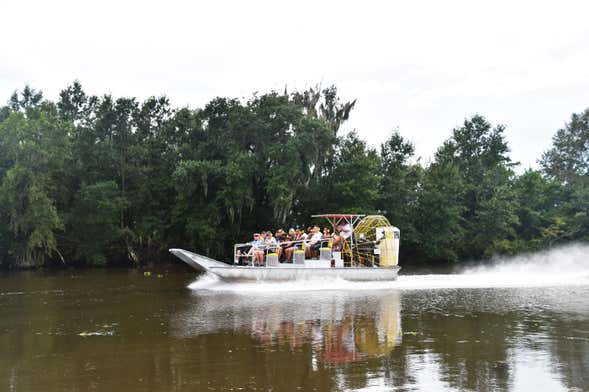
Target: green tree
{"type": "Point", "coordinates": [33, 147]}
{"type": "Point", "coordinates": [353, 183]}
{"type": "Point", "coordinates": [568, 158]}
{"type": "Point", "coordinates": [479, 153]}
{"type": "Point", "coordinates": [399, 185]}
{"type": "Point", "coordinates": [567, 163]}
{"type": "Point", "coordinates": [536, 198]}
{"type": "Point", "coordinates": [438, 217]}
{"type": "Point", "coordinates": [93, 223]}
{"type": "Point", "coordinates": [30, 217]}
{"type": "Point", "coordinates": [96, 180]}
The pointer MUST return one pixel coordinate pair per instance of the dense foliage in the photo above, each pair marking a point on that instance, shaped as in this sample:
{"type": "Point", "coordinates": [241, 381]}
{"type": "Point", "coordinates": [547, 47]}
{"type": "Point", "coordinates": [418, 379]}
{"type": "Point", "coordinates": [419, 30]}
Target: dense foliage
{"type": "Point", "coordinates": [100, 180]}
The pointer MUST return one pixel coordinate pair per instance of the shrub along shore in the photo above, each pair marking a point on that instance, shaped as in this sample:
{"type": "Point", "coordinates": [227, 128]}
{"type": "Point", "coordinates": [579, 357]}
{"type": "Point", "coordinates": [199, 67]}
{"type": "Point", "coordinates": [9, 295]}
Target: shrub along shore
{"type": "Point", "coordinates": [101, 180]}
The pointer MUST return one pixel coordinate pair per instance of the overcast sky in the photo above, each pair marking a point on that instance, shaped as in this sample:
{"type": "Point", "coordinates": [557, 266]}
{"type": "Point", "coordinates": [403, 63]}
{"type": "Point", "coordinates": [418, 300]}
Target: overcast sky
{"type": "Point", "coordinates": [419, 66]}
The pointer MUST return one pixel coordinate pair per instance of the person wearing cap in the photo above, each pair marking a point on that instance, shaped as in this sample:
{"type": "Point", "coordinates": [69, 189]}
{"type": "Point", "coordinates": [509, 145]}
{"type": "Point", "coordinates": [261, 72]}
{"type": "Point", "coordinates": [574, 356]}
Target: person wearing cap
{"type": "Point", "coordinates": [248, 252]}
{"type": "Point", "coordinates": [257, 250]}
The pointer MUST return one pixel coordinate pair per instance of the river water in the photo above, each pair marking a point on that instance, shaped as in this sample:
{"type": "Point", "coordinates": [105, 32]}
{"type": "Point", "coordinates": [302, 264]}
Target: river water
{"type": "Point", "coordinates": [522, 325]}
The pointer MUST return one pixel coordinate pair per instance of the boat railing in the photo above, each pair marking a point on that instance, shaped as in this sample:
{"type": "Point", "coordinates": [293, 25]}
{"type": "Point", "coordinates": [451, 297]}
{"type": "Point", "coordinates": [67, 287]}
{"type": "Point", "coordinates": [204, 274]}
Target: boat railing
{"type": "Point", "coordinates": [267, 249]}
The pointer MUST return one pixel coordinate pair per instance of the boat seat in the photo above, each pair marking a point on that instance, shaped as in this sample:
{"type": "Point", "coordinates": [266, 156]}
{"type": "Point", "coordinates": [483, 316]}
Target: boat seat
{"type": "Point", "coordinates": [299, 257]}
{"type": "Point", "coordinates": [272, 260]}
{"type": "Point", "coordinates": [338, 261]}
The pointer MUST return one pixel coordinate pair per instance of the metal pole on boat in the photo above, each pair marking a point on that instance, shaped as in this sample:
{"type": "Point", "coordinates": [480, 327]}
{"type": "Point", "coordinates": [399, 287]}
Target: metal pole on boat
{"type": "Point", "coordinates": [352, 244]}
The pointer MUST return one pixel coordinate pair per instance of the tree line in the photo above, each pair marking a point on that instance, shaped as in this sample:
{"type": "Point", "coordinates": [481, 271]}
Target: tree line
{"type": "Point", "coordinates": [100, 180]}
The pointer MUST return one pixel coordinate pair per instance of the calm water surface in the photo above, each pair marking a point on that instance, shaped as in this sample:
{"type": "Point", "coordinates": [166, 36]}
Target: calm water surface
{"type": "Point", "coordinates": [123, 331]}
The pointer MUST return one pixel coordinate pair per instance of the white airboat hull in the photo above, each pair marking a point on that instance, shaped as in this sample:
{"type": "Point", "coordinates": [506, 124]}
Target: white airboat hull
{"type": "Point", "coordinates": [283, 272]}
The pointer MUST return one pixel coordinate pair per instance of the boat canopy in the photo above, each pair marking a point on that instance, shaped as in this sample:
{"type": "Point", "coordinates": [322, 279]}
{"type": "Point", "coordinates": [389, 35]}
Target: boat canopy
{"type": "Point", "coordinates": [336, 219]}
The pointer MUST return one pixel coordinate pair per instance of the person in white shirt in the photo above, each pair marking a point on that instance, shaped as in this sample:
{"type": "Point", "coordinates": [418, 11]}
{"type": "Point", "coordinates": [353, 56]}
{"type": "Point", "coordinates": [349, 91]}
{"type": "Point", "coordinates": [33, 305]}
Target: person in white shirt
{"type": "Point", "coordinates": [313, 242]}
{"type": "Point", "coordinates": [345, 230]}
{"type": "Point", "coordinates": [270, 242]}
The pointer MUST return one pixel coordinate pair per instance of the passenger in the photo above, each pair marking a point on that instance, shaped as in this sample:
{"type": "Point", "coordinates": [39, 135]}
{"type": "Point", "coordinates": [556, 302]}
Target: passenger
{"type": "Point", "coordinates": [303, 235]}
{"type": "Point", "coordinates": [326, 237]}
{"type": "Point", "coordinates": [337, 242]}
{"type": "Point", "coordinates": [270, 242]}
{"type": "Point", "coordinates": [299, 238]}
{"type": "Point", "coordinates": [244, 252]}
{"type": "Point", "coordinates": [289, 246]}
{"type": "Point", "coordinates": [280, 238]}
{"type": "Point", "coordinates": [313, 242]}
{"type": "Point", "coordinates": [255, 247]}
{"type": "Point", "coordinates": [280, 234]}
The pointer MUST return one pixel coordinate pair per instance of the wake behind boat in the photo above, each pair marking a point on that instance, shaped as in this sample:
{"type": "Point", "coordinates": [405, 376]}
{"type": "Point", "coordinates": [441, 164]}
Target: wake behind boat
{"type": "Point", "coordinates": [363, 248]}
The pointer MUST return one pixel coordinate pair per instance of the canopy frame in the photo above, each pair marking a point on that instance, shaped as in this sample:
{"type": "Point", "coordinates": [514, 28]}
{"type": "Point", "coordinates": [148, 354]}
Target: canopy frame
{"type": "Point", "coordinates": [337, 219]}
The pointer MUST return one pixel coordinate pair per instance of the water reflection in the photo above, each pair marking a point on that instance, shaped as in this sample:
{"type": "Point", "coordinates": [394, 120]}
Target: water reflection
{"type": "Point", "coordinates": [457, 339]}
{"type": "Point", "coordinates": [155, 334]}
{"type": "Point", "coordinates": [338, 327]}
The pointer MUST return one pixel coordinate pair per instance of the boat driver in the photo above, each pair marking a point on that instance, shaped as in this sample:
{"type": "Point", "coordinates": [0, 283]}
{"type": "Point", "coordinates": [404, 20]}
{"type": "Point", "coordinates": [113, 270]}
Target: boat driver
{"type": "Point", "coordinates": [344, 231]}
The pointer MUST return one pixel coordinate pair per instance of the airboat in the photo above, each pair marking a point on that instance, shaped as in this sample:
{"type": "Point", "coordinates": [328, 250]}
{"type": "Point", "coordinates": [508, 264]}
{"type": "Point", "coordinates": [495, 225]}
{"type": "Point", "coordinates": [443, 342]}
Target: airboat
{"type": "Point", "coordinates": [369, 251]}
